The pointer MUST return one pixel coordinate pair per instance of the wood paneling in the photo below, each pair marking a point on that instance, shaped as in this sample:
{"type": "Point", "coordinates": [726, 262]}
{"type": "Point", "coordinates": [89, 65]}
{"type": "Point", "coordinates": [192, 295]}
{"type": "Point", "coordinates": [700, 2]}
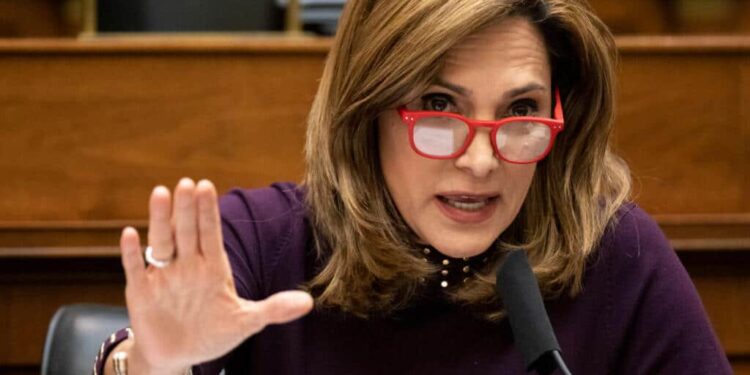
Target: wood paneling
{"type": "Point", "coordinates": [33, 18]}
{"type": "Point", "coordinates": [235, 117]}
{"type": "Point", "coordinates": [632, 17]}
{"type": "Point", "coordinates": [649, 17]}
{"type": "Point", "coordinates": [723, 281]}
{"type": "Point", "coordinates": [88, 127]}
{"type": "Point", "coordinates": [32, 289]}
{"type": "Point", "coordinates": [683, 132]}
{"type": "Point", "coordinates": [741, 366]}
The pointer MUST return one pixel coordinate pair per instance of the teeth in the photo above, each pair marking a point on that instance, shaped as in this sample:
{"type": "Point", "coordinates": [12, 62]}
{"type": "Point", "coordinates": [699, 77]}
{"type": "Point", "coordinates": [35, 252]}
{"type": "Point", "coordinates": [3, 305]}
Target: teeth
{"type": "Point", "coordinates": [468, 206]}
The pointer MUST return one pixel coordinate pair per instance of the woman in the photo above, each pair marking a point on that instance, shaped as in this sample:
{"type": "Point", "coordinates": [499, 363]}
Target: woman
{"type": "Point", "coordinates": [429, 156]}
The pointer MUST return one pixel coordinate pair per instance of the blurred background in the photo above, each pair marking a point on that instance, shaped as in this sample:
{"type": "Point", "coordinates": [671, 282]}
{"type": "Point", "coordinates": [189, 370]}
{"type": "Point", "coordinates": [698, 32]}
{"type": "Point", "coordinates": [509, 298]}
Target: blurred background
{"type": "Point", "coordinates": [100, 100]}
{"type": "Point", "coordinates": [67, 18]}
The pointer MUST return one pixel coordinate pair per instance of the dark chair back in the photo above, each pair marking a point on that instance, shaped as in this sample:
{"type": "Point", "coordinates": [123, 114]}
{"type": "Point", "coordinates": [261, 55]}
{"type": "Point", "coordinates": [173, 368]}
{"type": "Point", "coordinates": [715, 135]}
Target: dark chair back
{"type": "Point", "coordinates": [75, 335]}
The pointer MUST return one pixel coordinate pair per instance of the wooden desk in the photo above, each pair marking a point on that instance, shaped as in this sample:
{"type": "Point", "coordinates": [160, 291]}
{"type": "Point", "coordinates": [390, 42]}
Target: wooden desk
{"type": "Point", "coordinates": [87, 128]}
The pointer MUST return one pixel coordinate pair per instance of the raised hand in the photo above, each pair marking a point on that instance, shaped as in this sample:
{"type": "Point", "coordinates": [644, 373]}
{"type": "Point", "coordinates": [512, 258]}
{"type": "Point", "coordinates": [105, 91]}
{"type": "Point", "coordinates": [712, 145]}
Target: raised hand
{"type": "Point", "coordinates": [188, 311]}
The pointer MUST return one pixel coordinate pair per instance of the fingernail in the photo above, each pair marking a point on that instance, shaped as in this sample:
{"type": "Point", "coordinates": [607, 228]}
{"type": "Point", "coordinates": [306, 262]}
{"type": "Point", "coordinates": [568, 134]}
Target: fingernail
{"type": "Point", "coordinates": [205, 183]}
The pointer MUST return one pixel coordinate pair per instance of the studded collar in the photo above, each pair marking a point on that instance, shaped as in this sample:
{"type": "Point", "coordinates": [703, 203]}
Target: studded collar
{"type": "Point", "coordinates": [452, 272]}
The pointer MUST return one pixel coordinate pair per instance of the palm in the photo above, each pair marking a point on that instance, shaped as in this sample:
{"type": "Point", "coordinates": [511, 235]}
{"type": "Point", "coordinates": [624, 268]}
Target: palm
{"type": "Point", "coordinates": [189, 311]}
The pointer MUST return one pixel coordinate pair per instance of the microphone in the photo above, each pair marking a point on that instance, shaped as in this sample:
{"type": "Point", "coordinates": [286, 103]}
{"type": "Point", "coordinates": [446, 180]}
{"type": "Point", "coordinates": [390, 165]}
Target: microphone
{"type": "Point", "coordinates": [533, 333]}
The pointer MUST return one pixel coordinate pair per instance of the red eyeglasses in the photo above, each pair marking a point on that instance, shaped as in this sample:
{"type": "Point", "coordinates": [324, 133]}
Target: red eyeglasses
{"type": "Point", "coordinates": [520, 140]}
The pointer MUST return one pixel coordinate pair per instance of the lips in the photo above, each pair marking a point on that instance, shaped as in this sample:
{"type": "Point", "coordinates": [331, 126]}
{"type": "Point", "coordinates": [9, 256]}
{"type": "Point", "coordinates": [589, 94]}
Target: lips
{"type": "Point", "coordinates": [467, 203]}
{"type": "Point", "coordinates": [466, 207]}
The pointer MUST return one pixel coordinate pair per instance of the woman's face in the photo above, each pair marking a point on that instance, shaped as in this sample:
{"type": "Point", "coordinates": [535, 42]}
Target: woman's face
{"type": "Point", "coordinates": [460, 206]}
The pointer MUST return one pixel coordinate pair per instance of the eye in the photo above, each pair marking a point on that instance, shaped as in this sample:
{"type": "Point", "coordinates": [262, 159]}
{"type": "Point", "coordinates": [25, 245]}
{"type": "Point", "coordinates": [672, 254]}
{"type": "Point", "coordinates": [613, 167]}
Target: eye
{"type": "Point", "coordinates": [437, 102]}
{"type": "Point", "coordinates": [523, 107]}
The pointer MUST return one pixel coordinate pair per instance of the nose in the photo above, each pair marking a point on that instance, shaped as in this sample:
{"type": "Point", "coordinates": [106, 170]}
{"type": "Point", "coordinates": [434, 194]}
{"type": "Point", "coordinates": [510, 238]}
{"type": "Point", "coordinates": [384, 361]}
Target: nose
{"type": "Point", "coordinates": [479, 158]}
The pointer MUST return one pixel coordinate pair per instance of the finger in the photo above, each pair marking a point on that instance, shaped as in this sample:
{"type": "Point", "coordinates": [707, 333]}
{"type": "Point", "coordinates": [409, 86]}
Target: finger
{"type": "Point", "coordinates": [279, 308]}
{"type": "Point", "coordinates": [184, 217]}
{"type": "Point", "coordinates": [159, 223]}
{"type": "Point", "coordinates": [209, 221]}
{"type": "Point", "coordinates": [132, 259]}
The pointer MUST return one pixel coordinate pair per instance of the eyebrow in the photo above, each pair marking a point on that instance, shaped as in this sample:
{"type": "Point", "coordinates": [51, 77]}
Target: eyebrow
{"type": "Point", "coordinates": [451, 86]}
{"type": "Point", "coordinates": [524, 89]}
{"type": "Point", "coordinates": [510, 94]}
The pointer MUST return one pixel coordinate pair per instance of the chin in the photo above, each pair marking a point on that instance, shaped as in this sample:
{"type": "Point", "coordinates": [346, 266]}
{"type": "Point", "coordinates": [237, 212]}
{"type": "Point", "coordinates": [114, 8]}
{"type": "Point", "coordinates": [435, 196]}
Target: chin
{"type": "Point", "coordinates": [463, 245]}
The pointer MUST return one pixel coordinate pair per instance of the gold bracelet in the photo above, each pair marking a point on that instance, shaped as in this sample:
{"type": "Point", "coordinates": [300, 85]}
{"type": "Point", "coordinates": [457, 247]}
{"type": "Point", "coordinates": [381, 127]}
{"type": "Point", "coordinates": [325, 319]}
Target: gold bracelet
{"type": "Point", "coordinates": [120, 364]}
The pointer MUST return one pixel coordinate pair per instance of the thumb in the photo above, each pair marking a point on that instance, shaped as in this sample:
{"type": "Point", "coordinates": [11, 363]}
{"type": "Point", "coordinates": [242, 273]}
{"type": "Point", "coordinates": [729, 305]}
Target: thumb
{"type": "Point", "coordinates": [279, 308]}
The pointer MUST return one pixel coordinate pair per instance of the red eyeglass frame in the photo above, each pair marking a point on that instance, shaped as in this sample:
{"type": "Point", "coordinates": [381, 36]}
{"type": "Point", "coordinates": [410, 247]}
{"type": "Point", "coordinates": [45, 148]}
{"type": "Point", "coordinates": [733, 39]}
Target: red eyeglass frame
{"type": "Point", "coordinates": [556, 125]}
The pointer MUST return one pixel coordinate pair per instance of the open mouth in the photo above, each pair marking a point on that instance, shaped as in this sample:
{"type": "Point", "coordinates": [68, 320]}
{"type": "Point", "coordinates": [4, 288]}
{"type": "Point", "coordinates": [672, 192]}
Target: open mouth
{"type": "Point", "coordinates": [467, 202]}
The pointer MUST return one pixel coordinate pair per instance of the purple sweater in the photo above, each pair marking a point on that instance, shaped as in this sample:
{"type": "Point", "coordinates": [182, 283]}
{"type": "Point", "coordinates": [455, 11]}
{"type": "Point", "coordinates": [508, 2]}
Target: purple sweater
{"type": "Point", "coordinates": [639, 312]}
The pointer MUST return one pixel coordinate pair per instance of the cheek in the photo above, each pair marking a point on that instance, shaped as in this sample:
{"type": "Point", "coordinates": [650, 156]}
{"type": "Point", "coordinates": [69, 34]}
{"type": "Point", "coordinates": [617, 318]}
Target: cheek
{"type": "Point", "coordinates": [406, 174]}
{"type": "Point", "coordinates": [519, 177]}
{"type": "Point", "coordinates": [392, 155]}
{"type": "Point", "coordinates": [389, 150]}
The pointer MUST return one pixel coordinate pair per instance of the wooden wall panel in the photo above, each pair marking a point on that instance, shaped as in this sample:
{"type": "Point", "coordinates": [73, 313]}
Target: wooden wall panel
{"type": "Point", "coordinates": [682, 129]}
{"type": "Point", "coordinates": [633, 17]}
{"type": "Point", "coordinates": [32, 18]}
{"type": "Point", "coordinates": [86, 137]}
{"type": "Point", "coordinates": [670, 17]}
{"type": "Point", "coordinates": [723, 281]}
{"type": "Point", "coordinates": [745, 115]}
{"type": "Point", "coordinates": [32, 289]}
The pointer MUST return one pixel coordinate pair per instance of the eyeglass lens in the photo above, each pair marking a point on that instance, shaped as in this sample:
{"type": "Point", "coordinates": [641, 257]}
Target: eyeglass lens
{"type": "Point", "coordinates": [518, 141]}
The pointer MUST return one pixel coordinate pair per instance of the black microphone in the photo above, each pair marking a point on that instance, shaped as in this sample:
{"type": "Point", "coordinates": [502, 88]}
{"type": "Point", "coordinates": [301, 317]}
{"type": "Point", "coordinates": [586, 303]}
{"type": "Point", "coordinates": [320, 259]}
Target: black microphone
{"type": "Point", "coordinates": [534, 337]}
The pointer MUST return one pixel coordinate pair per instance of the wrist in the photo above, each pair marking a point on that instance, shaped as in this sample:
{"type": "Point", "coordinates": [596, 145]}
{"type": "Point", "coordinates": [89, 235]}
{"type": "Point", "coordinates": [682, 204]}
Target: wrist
{"type": "Point", "coordinates": [138, 365]}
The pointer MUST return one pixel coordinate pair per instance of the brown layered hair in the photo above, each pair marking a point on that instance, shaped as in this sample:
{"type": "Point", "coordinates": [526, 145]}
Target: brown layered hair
{"type": "Point", "coordinates": [386, 49]}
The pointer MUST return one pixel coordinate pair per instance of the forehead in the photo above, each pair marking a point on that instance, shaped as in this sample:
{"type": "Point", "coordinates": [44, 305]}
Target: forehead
{"type": "Point", "coordinates": [512, 49]}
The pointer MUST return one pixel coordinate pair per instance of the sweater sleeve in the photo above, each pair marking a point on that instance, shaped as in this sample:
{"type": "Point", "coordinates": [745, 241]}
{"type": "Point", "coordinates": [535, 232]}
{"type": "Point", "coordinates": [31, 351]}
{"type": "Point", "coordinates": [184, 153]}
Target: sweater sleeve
{"type": "Point", "coordinates": [665, 329]}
